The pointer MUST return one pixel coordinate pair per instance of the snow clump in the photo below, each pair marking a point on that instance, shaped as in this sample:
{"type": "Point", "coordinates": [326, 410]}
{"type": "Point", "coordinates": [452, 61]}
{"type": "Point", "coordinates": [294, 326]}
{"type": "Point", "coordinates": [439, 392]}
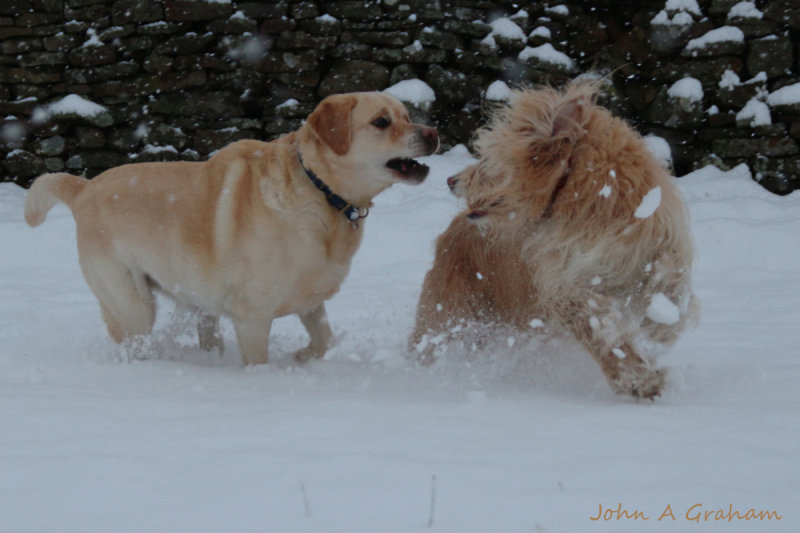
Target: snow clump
{"type": "Point", "coordinates": [415, 92]}
{"type": "Point", "coordinates": [785, 95]}
{"type": "Point", "coordinates": [754, 113]}
{"type": "Point", "coordinates": [745, 10]}
{"type": "Point", "coordinates": [547, 54]}
{"type": "Point", "coordinates": [541, 31]}
{"type": "Point", "coordinates": [505, 28]}
{"type": "Point", "coordinates": [688, 88]}
{"type": "Point", "coordinates": [688, 6]}
{"type": "Point", "coordinates": [72, 104]}
{"type": "Point", "coordinates": [650, 203]}
{"type": "Point", "coordinates": [659, 147]}
{"type": "Point", "coordinates": [498, 91]}
{"type": "Point", "coordinates": [662, 310]}
{"type": "Point", "coordinates": [682, 11]}
{"type": "Point", "coordinates": [724, 34]}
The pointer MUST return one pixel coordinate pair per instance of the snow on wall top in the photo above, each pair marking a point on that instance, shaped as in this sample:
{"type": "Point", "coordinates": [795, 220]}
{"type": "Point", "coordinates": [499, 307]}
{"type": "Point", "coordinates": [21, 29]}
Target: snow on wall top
{"type": "Point", "coordinates": [413, 91]}
{"type": "Point", "coordinates": [689, 88]}
{"type": "Point", "coordinates": [547, 54]}
{"type": "Point", "coordinates": [719, 35]}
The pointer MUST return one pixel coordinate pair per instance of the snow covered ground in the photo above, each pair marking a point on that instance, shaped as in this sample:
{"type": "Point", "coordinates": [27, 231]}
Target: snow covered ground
{"type": "Point", "coordinates": [528, 438]}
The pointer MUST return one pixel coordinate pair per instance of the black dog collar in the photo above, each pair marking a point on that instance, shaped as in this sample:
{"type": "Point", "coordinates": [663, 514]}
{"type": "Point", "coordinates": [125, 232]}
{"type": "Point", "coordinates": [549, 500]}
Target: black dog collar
{"type": "Point", "coordinates": [350, 211]}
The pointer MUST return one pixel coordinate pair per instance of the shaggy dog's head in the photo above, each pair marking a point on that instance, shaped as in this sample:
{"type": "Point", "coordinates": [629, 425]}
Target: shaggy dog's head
{"type": "Point", "coordinates": [526, 153]}
{"type": "Point", "coordinates": [555, 153]}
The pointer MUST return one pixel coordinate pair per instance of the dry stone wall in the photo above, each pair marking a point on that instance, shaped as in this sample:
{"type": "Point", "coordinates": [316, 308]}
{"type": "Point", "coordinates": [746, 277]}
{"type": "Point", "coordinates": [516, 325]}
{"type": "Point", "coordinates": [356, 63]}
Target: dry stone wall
{"type": "Point", "coordinates": [90, 84]}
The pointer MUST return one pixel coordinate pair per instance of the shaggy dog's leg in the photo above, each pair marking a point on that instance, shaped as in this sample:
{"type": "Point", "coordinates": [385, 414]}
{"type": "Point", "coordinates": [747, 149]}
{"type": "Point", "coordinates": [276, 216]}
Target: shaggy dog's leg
{"type": "Point", "coordinates": [439, 312]}
{"type": "Point", "coordinates": [627, 372]}
{"type": "Point", "coordinates": [599, 327]}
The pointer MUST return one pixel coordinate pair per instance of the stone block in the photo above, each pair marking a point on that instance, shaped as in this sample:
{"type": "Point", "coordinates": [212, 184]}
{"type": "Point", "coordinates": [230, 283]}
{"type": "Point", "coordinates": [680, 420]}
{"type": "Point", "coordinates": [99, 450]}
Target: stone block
{"type": "Point", "coordinates": [299, 39]}
{"type": "Point", "coordinates": [31, 75]}
{"type": "Point", "coordinates": [276, 26]}
{"type": "Point", "coordinates": [351, 51]}
{"type": "Point", "coordinates": [233, 25]}
{"type": "Point", "coordinates": [60, 42]}
{"type": "Point", "coordinates": [34, 18]}
{"type": "Point", "coordinates": [21, 46]}
{"type": "Point", "coordinates": [164, 134]}
{"type": "Point", "coordinates": [708, 71]}
{"type": "Point", "coordinates": [101, 73]}
{"type": "Point", "coordinates": [784, 11]}
{"type": "Point", "coordinates": [13, 7]}
{"type": "Point", "coordinates": [9, 32]}
{"type": "Point", "coordinates": [49, 146]}
{"type": "Point", "coordinates": [53, 164]}
{"type": "Point", "coordinates": [23, 164]}
{"type": "Point", "coordinates": [754, 147]}
{"type": "Point", "coordinates": [161, 28]}
{"type": "Point", "coordinates": [208, 140]}
{"type": "Point", "coordinates": [199, 104]}
{"type": "Point", "coordinates": [138, 12]}
{"type": "Point", "coordinates": [189, 43]}
{"type": "Point", "coordinates": [721, 8]}
{"type": "Point", "coordinates": [189, 11]}
{"type": "Point", "coordinates": [772, 54]}
{"type": "Point", "coordinates": [42, 58]}
{"type": "Point", "coordinates": [777, 175]}
{"type": "Point", "coordinates": [49, 6]}
{"type": "Point", "coordinates": [90, 137]}
{"type": "Point", "coordinates": [263, 10]}
{"type": "Point", "coordinates": [158, 64]}
{"type": "Point", "coordinates": [92, 56]}
{"type": "Point", "coordinates": [322, 26]}
{"type": "Point", "coordinates": [304, 10]}
{"type": "Point", "coordinates": [355, 75]}
{"type": "Point", "coordinates": [355, 10]}
{"type": "Point", "coordinates": [453, 85]}
{"type": "Point", "coordinates": [381, 38]}
{"type": "Point", "coordinates": [413, 53]}
{"type": "Point", "coordinates": [440, 39]}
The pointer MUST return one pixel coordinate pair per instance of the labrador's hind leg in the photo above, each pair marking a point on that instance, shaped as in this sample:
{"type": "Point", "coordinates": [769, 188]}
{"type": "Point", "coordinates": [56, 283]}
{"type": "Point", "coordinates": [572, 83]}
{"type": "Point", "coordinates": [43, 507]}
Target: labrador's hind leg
{"type": "Point", "coordinates": [126, 301]}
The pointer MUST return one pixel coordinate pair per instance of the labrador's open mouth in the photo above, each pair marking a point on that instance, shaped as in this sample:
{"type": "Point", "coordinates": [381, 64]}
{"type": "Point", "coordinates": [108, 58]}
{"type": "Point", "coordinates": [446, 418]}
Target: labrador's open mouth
{"type": "Point", "coordinates": [408, 169]}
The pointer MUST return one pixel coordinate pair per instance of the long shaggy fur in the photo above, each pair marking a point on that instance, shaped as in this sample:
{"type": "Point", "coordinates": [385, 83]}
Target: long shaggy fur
{"type": "Point", "coordinates": [554, 231]}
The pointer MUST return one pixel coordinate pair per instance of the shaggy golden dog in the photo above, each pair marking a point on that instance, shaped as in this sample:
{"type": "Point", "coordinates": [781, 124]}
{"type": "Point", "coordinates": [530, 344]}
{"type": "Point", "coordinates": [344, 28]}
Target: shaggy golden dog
{"type": "Point", "coordinates": [259, 231]}
{"type": "Point", "coordinates": [570, 222]}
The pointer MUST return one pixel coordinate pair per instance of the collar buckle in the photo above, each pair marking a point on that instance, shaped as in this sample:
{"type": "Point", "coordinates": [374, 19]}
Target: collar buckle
{"type": "Point", "coordinates": [351, 212]}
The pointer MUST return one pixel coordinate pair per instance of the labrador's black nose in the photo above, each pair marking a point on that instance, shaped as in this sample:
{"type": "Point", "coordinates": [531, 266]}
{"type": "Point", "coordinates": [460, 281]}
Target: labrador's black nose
{"type": "Point", "coordinates": [431, 137]}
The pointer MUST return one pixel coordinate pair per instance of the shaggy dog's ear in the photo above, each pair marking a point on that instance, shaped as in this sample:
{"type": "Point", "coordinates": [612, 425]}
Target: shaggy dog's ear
{"type": "Point", "coordinates": [330, 122]}
{"type": "Point", "coordinates": [568, 115]}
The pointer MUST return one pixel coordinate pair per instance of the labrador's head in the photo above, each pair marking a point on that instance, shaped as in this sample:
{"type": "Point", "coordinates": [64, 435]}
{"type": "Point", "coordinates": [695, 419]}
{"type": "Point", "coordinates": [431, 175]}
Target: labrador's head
{"type": "Point", "coordinates": [369, 138]}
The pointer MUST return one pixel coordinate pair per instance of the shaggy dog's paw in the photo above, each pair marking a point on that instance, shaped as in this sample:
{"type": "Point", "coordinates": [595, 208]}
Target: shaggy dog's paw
{"type": "Point", "coordinates": [641, 382]}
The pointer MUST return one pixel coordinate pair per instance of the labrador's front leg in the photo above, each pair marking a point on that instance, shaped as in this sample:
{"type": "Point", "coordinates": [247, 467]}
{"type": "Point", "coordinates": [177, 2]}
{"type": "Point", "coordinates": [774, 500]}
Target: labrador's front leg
{"type": "Point", "coordinates": [253, 337]}
{"type": "Point", "coordinates": [319, 330]}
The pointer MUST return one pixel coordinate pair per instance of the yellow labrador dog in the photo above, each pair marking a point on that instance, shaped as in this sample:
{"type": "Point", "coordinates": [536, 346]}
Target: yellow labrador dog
{"type": "Point", "coordinates": [259, 231]}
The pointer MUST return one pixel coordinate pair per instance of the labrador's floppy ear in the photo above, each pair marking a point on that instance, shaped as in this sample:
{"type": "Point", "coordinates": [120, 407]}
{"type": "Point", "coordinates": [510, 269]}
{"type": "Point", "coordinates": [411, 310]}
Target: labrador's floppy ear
{"type": "Point", "coordinates": [330, 122]}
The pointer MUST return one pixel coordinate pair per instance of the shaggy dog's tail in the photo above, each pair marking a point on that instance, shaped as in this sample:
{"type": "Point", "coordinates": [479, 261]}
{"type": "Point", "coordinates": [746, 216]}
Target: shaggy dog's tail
{"type": "Point", "coordinates": [46, 191]}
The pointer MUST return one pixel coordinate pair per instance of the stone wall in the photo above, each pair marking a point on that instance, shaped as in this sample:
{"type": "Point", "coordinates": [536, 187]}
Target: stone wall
{"type": "Point", "coordinates": [89, 84]}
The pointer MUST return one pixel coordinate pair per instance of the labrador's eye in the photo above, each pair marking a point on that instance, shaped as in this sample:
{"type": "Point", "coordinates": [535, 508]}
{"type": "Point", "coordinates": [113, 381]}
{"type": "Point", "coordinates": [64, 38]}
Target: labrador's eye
{"type": "Point", "coordinates": [381, 123]}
